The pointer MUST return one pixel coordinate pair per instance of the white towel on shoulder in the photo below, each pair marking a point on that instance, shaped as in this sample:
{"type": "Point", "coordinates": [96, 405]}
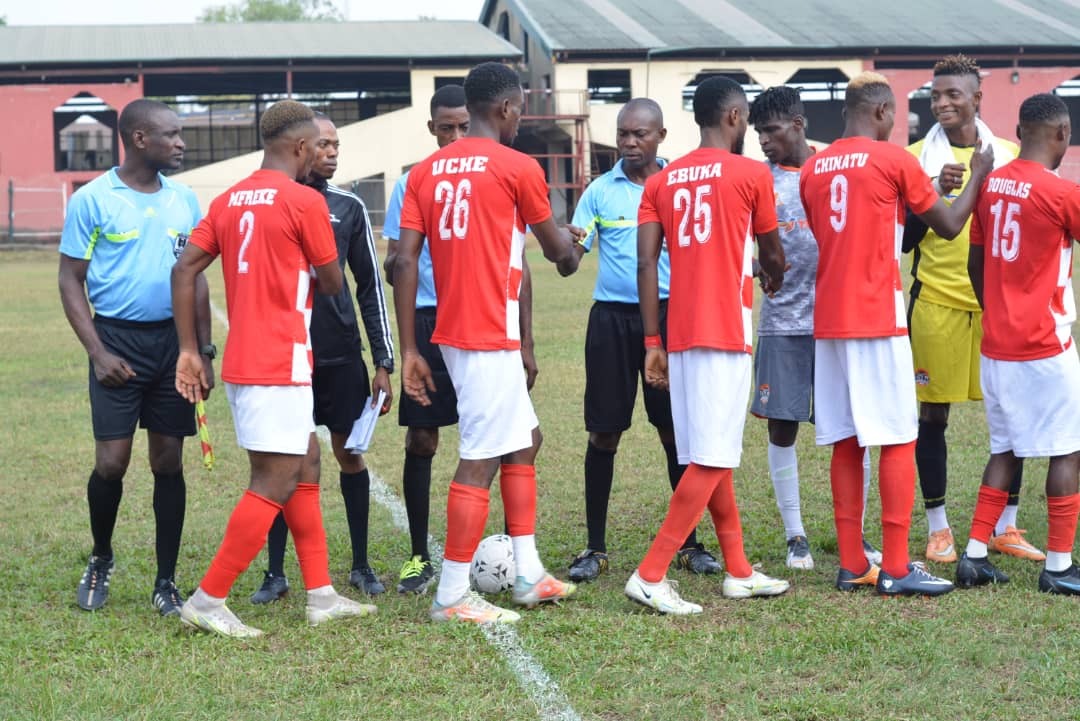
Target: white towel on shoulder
{"type": "Point", "coordinates": [936, 150]}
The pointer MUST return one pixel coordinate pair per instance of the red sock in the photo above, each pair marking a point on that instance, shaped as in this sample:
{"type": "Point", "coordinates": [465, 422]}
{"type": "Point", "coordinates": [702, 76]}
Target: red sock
{"type": "Point", "coordinates": [245, 535]}
{"type": "Point", "coordinates": [518, 485]}
{"type": "Point", "coordinates": [304, 518]}
{"type": "Point", "coordinates": [987, 512]}
{"type": "Point", "coordinates": [846, 477]}
{"type": "Point", "coordinates": [1061, 531]}
{"type": "Point", "coordinates": [687, 504]}
{"type": "Point", "coordinates": [466, 514]}
{"type": "Point", "coordinates": [896, 479]}
{"type": "Point", "coordinates": [725, 516]}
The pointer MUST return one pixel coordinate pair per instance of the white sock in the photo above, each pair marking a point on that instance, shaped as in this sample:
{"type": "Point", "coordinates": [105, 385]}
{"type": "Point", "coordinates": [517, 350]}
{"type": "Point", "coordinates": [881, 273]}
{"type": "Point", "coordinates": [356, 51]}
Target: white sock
{"type": "Point", "coordinates": [527, 558]}
{"type": "Point", "coordinates": [202, 599]}
{"type": "Point", "coordinates": [322, 597]}
{"type": "Point", "coordinates": [1058, 561]}
{"type": "Point", "coordinates": [865, 482]}
{"type": "Point", "coordinates": [784, 470]}
{"type": "Point", "coordinates": [936, 519]}
{"type": "Point", "coordinates": [453, 582]}
{"type": "Point", "coordinates": [975, 549]}
{"type": "Point", "coordinates": [1008, 518]}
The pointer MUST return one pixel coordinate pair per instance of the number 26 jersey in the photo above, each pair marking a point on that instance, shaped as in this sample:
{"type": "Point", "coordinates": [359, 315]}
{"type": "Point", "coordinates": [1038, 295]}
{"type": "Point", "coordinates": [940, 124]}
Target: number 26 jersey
{"type": "Point", "coordinates": [854, 193]}
{"type": "Point", "coordinates": [473, 199]}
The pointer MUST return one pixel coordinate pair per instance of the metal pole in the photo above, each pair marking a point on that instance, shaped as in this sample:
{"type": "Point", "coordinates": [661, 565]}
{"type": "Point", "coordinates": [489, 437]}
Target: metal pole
{"type": "Point", "coordinates": [11, 210]}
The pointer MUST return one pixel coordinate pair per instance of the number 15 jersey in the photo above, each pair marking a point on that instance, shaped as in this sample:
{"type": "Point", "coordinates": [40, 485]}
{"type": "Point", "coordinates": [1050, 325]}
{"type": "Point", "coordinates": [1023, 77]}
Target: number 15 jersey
{"type": "Point", "coordinates": [1026, 218]}
{"type": "Point", "coordinates": [269, 230]}
{"type": "Point", "coordinates": [473, 199]}
{"type": "Point", "coordinates": [854, 193]}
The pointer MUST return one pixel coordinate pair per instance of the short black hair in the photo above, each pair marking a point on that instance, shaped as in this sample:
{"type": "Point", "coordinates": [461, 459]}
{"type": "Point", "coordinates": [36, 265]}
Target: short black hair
{"type": "Point", "coordinates": [712, 97]}
{"type": "Point", "coordinates": [487, 83]}
{"type": "Point", "coordinates": [779, 102]}
{"type": "Point", "coordinates": [867, 90]}
{"type": "Point", "coordinates": [645, 103]}
{"type": "Point", "coordinates": [283, 116]}
{"type": "Point", "coordinates": [137, 115]}
{"type": "Point", "coordinates": [958, 64]}
{"type": "Point", "coordinates": [1043, 108]}
{"type": "Point", "coordinates": [448, 96]}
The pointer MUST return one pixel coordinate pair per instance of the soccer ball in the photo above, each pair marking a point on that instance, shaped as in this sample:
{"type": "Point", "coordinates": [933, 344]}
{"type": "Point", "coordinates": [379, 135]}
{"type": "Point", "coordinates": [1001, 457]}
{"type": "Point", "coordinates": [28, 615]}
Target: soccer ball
{"type": "Point", "coordinates": [492, 569]}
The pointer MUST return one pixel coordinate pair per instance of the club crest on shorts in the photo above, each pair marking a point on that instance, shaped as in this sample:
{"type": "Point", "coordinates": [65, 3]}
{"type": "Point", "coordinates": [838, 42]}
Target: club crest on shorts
{"type": "Point", "coordinates": [922, 377]}
{"type": "Point", "coordinates": [763, 394]}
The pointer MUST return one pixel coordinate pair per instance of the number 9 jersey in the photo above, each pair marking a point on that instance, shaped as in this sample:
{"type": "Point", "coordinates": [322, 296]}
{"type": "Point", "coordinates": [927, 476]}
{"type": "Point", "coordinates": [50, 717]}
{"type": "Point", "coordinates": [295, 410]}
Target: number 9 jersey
{"type": "Point", "coordinates": [854, 193]}
{"type": "Point", "coordinates": [473, 199]}
{"type": "Point", "coordinates": [269, 230]}
{"type": "Point", "coordinates": [710, 204]}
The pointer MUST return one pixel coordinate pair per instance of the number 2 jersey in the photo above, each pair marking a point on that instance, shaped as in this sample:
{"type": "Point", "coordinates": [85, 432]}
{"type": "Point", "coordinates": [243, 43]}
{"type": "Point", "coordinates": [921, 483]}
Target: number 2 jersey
{"type": "Point", "coordinates": [854, 193]}
{"type": "Point", "coordinates": [269, 230]}
{"type": "Point", "coordinates": [710, 204]}
{"type": "Point", "coordinates": [473, 199]}
{"type": "Point", "coordinates": [1026, 218]}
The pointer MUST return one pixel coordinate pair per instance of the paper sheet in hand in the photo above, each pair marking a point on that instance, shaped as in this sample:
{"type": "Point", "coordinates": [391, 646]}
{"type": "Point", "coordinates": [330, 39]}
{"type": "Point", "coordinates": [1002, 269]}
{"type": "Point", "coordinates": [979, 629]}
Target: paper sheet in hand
{"type": "Point", "coordinates": [364, 426]}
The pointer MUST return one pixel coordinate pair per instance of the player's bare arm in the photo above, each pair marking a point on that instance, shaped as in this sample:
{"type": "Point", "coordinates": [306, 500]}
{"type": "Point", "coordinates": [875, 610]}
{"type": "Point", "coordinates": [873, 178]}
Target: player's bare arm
{"type": "Point", "coordinates": [558, 244]}
{"type": "Point", "coordinates": [415, 373]}
{"type": "Point", "coordinates": [191, 380]}
{"type": "Point", "coordinates": [528, 356]}
{"type": "Point", "coordinates": [391, 259]}
{"type": "Point", "coordinates": [649, 241]}
{"type": "Point", "coordinates": [975, 271]}
{"type": "Point", "coordinates": [771, 260]}
{"type": "Point", "coordinates": [203, 329]}
{"type": "Point", "coordinates": [110, 370]}
{"type": "Point", "coordinates": [328, 278]}
{"type": "Point", "coordinates": [948, 220]}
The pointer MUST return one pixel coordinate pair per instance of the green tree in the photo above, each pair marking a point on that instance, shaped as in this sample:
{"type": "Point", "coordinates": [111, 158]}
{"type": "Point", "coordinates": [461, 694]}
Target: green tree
{"type": "Point", "coordinates": [249, 11]}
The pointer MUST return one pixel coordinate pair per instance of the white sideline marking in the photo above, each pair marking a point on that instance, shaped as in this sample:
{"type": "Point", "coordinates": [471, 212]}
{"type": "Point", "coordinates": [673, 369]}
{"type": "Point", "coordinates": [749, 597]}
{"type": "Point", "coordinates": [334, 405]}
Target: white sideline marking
{"type": "Point", "coordinates": [551, 702]}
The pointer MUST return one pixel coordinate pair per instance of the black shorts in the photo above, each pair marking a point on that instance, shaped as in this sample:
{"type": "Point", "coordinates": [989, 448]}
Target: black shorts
{"type": "Point", "coordinates": [443, 408]}
{"type": "Point", "coordinates": [614, 363]}
{"type": "Point", "coordinates": [149, 399]}
{"type": "Point", "coordinates": [340, 392]}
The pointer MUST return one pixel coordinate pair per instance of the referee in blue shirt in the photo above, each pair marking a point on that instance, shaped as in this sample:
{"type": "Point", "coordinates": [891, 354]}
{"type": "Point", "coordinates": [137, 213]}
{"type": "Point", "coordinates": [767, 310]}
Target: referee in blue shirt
{"type": "Point", "coordinates": [614, 340]}
{"type": "Point", "coordinates": [123, 232]}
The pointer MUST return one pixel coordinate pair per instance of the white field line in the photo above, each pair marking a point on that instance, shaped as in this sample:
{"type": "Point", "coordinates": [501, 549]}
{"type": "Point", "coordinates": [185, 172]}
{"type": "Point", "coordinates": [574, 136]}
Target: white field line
{"type": "Point", "coordinates": [551, 702]}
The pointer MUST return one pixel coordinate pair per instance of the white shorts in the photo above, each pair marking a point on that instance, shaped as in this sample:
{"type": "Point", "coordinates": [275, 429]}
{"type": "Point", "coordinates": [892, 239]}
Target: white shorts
{"type": "Point", "coordinates": [1033, 407]}
{"type": "Point", "coordinates": [495, 413]}
{"type": "Point", "coordinates": [865, 387]}
{"type": "Point", "coordinates": [272, 419]}
{"type": "Point", "coordinates": [709, 391]}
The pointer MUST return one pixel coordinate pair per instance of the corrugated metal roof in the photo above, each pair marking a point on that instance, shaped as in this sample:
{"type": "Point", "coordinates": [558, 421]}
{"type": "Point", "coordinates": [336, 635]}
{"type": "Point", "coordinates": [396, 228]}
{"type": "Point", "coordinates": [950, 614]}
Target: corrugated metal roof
{"type": "Point", "coordinates": [201, 42]}
{"type": "Point", "coordinates": [584, 26]}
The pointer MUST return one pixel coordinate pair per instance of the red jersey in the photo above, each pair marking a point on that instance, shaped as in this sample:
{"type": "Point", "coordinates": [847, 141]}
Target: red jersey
{"type": "Point", "coordinates": [1026, 218]}
{"type": "Point", "coordinates": [269, 230]}
{"type": "Point", "coordinates": [854, 193]}
{"type": "Point", "coordinates": [472, 199]}
{"type": "Point", "coordinates": [710, 203]}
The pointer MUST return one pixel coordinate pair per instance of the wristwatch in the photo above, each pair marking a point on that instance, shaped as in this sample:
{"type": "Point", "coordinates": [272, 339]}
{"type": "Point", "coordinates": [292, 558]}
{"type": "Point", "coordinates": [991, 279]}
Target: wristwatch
{"type": "Point", "coordinates": [387, 363]}
{"type": "Point", "coordinates": [209, 350]}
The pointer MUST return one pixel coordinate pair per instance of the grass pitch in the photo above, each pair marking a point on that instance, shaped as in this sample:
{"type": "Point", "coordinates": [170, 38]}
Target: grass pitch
{"type": "Point", "coordinates": [1004, 653]}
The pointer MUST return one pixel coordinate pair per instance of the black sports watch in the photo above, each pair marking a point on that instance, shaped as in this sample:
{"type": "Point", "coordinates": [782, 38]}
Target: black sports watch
{"type": "Point", "coordinates": [387, 363]}
{"type": "Point", "coordinates": [209, 350]}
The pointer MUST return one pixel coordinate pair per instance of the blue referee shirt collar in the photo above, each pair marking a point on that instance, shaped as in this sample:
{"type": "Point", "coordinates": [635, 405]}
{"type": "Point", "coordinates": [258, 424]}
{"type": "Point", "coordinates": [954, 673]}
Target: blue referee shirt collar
{"type": "Point", "coordinates": [115, 182]}
{"type": "Point", "coordinates": [618, 172]}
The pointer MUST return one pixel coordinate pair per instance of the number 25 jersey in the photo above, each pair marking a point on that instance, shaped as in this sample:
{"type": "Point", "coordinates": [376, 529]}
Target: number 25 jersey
{"type": "Point", "coordinates": [1025, 219]}
{"type": "Point", "coordinates": [473, 199]}
{"type": "Point", "coordinates": [269, 230]}
{"type": "Point", "coordinates": [710, 204]}
{"type": "Point", "coordinates": [854, 193]}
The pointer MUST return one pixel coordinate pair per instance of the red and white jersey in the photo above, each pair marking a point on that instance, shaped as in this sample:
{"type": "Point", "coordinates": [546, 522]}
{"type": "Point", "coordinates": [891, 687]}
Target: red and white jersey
{"type": "Point", "coordinates": [269, 230]}
{"type": "Point", "coordinates": [855, 193]}
{"type": "Point", "coordinates": [1026, 218]}
{"type": "Point", "coordinates": [710, 203]}
{"type": "Point", "coordinates": [473, 199]}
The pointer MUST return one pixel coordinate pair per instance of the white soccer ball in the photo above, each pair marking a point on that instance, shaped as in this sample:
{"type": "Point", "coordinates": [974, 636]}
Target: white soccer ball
{"type": "Point", "coordinates": [493, 569]}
